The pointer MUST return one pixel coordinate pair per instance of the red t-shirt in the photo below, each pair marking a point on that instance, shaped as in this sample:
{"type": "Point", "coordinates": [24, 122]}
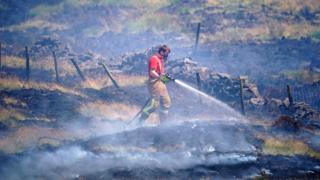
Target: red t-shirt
{"type": "Point", "coordinates": [156, 63]}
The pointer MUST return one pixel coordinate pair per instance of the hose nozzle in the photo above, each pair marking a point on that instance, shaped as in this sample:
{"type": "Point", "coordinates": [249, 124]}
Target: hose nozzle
{"type": "Point", "coordinates": [167, 78]}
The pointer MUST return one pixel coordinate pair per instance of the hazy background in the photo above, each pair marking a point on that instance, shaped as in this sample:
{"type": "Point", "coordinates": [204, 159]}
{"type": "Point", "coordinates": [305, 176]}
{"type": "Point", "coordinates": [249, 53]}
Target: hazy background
{"type": "Point", "coordinates": [54, 127]}
{"type": "Point", "coordinates": [259, 38]}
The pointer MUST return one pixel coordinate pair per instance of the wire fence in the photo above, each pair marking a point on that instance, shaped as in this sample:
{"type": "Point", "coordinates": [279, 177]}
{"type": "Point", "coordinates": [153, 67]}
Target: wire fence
{"type": "Point", "coordinates": [309, 94]}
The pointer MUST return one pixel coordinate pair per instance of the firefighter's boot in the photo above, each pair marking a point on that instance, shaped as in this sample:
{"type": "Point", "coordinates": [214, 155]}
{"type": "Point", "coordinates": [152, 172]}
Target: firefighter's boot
{"type": "Point", "coordinates": [143, 117]}
{"type": "Point", "coordinates": [163, 116]}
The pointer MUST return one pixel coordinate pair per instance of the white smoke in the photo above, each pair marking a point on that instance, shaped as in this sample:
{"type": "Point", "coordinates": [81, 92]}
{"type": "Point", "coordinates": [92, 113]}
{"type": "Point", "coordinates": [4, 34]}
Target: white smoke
{"type": "Point", "coordinates": [169, 148]}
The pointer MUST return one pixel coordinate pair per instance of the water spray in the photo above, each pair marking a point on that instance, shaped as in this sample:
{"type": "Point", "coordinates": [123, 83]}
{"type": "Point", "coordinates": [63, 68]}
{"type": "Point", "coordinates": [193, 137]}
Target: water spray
{"type": "Point", "coordinates": [202, 94]}
{"type": "Point", "coordinates": [208, 97]}
{"type": "Point", "coordinates": [167, 78]}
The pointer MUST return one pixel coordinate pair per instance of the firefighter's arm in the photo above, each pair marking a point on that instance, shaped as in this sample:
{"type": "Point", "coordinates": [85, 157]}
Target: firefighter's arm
{"type": "Point", "coordinates": [154, 74]}
{"type": "Point", "coordinates": [162, 77]}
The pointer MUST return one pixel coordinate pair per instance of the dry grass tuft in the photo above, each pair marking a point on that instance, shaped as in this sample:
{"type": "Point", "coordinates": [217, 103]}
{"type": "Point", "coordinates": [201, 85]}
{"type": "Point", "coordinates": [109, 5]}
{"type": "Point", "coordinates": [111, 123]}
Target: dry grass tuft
{"type": "Point", "coordinates": [101, 81]}
{"type": "Point", "coordinates": [36, 23]}
{"type": "Point", "coordinates": [97, 83]}
{"type": "Point", "coordinates": [108, 111]}
{"type": "Point", "coordinates": [294, 5]}
{"type": "Point", "coordinates": [11, 83]}
{"type": "Point", "coordinates": [263, 32]}
{"type": "Point", "coordinates": [15, 83]}
{"type": "Point", "coordinates": [27, 137]}
{"type": "Point", "coordinates": [65, 68]}
{"type": "Point", "coordinates": [13, 62]}
{"type": "Point", "coordinates": [13, 101]}
{"type": "Point", "coordinates": [43, 64]}
{"type": "Point", "coordinates": [129, 80]}
{"type": "Point", "coordinates": [111, 149]}
{"type": "Point", "coordinates": [154, 21]}
{"type": "Point", "coordinates": [284, 5]}
{"type": "Point", "coordinates": [288, 147]}
{"type": "Point", "coordinates": [11, 114]}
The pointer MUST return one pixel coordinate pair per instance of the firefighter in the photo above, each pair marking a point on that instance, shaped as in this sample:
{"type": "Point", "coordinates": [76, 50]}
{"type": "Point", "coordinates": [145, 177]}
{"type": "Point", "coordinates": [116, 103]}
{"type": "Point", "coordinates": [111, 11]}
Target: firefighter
{"type": "Point", "coordinates": [157, 86]}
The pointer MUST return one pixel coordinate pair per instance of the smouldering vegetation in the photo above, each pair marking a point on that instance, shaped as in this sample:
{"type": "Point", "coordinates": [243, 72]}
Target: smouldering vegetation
{"type": "Point", "coordinates": [108, 111]}
{"type": "Point", "coordinates": [27, 137]}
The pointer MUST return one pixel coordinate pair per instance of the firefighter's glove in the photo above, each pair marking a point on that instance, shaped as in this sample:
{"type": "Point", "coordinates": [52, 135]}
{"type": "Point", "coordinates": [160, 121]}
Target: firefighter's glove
{"type": "Point", "coordinates": [166, 78]}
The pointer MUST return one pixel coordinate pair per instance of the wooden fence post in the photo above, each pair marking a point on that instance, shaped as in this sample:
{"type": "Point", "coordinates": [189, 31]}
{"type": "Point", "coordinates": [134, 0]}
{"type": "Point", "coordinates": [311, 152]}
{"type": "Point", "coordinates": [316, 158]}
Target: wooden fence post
{"type": "Point", "coordinates": [0, 55]}
{"type": "Point", "coordinates": [27, 64]}
{"type": "Point", "coordinates": [199, 85]}
{"type": "Point", "coordinates": [198, 80]}
{"type": "Point", "coordinates": [289, 95]}
{"type": "Point", "coordinates": [56, 66]}
{"type": "Point", "coordinates": [78, 69]}
{"type": "Point", "coordinates": [212, 92]}
{"type": "Point", "coordinates": [197, 37]}
{"type": "Point", "coordinates": [114, 82]}
{"type": "Point", "coordinates": [241, 97]}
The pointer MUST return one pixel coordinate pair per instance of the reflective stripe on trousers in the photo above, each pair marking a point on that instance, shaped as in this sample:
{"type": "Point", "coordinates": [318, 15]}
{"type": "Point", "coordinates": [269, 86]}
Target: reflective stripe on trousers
{"type": "Point", "coordinates": [159, 95]}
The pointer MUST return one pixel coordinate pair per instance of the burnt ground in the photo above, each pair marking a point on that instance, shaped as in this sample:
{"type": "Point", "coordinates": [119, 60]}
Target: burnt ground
{"type": "Point", "coordinates": [78, 130]}
{"type": "Point", "coordinates": [263, 62]}
{"type": "Point", "coordinates": [199, 150]}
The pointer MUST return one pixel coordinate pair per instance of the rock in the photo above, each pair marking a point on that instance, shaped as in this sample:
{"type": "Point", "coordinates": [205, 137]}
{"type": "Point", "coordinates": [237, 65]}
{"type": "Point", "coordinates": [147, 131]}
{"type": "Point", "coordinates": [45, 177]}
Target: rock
{"type": "Point", "coordinates": [302, 112]}
{"type": "Point", "coordinates": [44, 47]}
{"type": "Point", "coordinates": [227, 88]}
{"type": "Point", "coordinates": [219, 85]}
{"type": "Point", "coordinates": [286, 102]}
{"type": "Point", "coordinates": [224, 76]}
{"type": "Point", "coordinates": [287, 123]}
{"type": "Point", "coordinates": [252, 88]}
{"type": "Point", "coordinates": [134, 63]}
{"type": "Point", "coordinates": [277, 102]}
{"type": "Point", "coordinates": [273, 106]}
{"type": "Point", "coordinates": [3, 127]}
{"type": "Point", "coordinates": [257, 101]}
{"type": "Point", "coordinates": [182, 68]}
{"type": "Point", "coordinates": [49, 143]}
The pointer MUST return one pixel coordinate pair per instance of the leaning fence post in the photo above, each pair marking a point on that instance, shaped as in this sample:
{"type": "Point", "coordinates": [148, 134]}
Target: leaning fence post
{"type": "Point", "coordinates": [198, 84]}
{"type": "Point", "coordinates": [197, 37]}
{"type": "Point", "coordinates": [198, 80]}
{"type": "Point", "coordinates": [110, 75]}
{"type": "Point", "coordinates": [56, 66]}
{"type": "Point", "coordinates": [311, 72]}
{"type": "Point", "coordinates": [78, 69]}
{"type": "Point", "coordinates": [27, 64]}
{"type": "Point", "coordinates": [0, 55]}
{"type": "Point", "coordinates": [241, 96]}
{"type": "Point", "coordinates": [289, 95]}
